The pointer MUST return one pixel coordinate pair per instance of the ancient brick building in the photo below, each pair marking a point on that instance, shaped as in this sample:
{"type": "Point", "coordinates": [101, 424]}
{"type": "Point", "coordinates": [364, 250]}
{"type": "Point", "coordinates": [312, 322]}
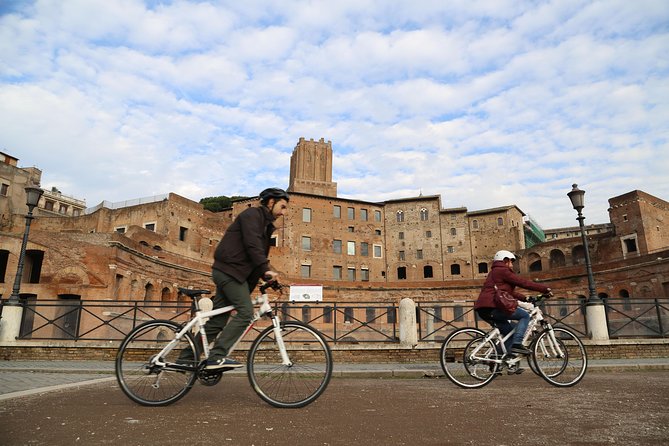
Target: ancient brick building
{"type": "Point", "coordinates": [359, 250]}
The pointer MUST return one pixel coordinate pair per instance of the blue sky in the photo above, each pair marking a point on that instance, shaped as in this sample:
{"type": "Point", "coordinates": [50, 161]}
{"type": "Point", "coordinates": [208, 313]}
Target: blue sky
{"type": "Point", "coordinates": [486, 103]}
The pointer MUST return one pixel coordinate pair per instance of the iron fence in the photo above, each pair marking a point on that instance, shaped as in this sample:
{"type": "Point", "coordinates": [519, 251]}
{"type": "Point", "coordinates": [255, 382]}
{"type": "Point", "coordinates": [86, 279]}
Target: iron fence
{"type": "Point", "coordinates": [340, 322]}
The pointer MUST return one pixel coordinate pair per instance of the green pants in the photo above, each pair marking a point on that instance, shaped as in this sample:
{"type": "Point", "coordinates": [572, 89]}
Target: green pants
{"type": "Point", "coordinates": [228, 292]}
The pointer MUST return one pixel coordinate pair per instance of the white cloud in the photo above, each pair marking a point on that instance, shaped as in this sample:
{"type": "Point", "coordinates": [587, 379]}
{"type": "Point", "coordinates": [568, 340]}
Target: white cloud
{"type": "Point", "coordinates": [487, 103]}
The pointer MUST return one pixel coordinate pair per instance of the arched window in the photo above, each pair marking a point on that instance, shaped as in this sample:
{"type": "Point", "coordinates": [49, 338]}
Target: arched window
{"type": "Point", "coordinates": [454, 231]}
{"type": "Point", "coordinates": [423, 214]}
{"type": "Point", "coordinates": [455, 269]}
{"type": "Point", "coordinates": [149, 293]}
{"type": "Point", "coordinates": [563, 307]}
{"type": "Point", "coordinates": [427, 272]}
{"type": "Point", "coordinates": [557, 259]}
{"type": "Point", "coordinates": [400, 216]}
{"type": "Point", "coordinates": [475, 224]}
{"type": "Point", "coordinates": [500, 221]}
{"type": "Point", "coordinates": [578, 255]}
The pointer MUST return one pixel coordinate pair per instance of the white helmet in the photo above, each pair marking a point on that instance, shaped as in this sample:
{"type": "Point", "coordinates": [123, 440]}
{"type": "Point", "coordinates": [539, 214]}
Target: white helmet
{"type": "Point", "coordinates": [503, 254]}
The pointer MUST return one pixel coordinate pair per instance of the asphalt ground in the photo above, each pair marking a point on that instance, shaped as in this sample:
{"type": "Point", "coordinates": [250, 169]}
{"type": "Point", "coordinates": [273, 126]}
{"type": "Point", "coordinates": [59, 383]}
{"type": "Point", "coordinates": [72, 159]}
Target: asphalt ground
{"type": "Point", "coordinates": [624, 406]}
{"type": "Point", "coordinates": [21, 378]}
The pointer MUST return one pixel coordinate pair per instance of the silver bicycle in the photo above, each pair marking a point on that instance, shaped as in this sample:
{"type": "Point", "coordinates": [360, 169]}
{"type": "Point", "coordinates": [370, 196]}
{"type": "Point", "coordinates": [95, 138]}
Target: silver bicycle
{"type": "Point", "coordinates": [472, 358]}
{"type": "Point", "coordinates": [289, 364]}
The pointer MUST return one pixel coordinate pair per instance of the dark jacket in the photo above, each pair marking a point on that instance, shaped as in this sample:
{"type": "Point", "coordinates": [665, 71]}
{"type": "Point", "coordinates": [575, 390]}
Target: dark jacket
{"type": "Point", "coordinates": [243, 251]}
{"type": "Point", "coordinates": [506, 280]}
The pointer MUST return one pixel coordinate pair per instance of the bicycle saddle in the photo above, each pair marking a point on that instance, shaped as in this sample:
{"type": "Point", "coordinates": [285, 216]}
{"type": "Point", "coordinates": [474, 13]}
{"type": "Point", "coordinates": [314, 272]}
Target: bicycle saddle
{"type": "Point", "coordinates": [192, 293]}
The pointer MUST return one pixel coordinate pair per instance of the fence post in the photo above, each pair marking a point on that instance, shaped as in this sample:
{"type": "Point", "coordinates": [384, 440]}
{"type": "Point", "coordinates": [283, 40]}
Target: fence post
{"type": "Point", "coordinates": [408, 330]}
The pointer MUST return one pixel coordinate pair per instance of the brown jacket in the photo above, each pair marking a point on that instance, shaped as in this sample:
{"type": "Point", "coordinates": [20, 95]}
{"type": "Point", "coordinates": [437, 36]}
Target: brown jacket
{"type": "Point", "coordinates": [506, 280]}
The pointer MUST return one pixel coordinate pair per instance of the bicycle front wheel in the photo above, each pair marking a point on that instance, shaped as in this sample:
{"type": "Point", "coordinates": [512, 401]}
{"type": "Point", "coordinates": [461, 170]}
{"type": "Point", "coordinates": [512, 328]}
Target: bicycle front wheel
{"type": "Point", "coordinates": [143, 381]}
{"type": "Point", "coordinates": [467, 360]}
{"type": "Point", "coordinates": [560, 357]}
{"type": "Point", "coordinates": [302, 380]}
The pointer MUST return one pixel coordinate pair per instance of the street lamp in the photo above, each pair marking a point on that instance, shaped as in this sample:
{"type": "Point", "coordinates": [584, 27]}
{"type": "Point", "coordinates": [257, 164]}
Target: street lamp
{"type": "Point", "coordinates": [595, 316]}
{"type": "Point", "coordinates": [33, 194]}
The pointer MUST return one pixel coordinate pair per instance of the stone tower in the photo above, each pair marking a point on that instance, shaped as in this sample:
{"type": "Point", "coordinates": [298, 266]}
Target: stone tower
{"type": "Point", "coordinates": [311, 168]}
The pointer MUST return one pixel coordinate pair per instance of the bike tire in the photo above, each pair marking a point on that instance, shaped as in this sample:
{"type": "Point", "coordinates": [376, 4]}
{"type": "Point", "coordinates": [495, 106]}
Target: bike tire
{"type": "Point", "coordinates": [459, 367]}
{"type": "Point", "coordinates": [568, 366]}
{"type": "Point", "coordinates": [151, 385]}
{"type": "Point", "coordinates": [297, 384]}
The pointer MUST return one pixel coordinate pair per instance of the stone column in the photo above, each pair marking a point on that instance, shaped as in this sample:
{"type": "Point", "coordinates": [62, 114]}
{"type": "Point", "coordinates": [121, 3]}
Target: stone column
{"type": "Point", "coordinates": [407, 320]}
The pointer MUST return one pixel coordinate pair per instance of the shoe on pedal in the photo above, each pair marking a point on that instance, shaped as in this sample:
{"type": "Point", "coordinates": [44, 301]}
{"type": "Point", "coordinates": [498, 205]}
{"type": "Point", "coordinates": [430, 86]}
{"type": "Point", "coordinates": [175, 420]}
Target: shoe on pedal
{"type": "Point", "coordinates": [520, 349]}
{"type": "Point", "coordinates": [222, 364]}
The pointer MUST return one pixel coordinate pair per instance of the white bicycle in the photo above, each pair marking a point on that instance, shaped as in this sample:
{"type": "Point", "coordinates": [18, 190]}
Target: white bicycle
{"type": "Point", "coordinates": [289, 364]}
{"type": "Point", "coordinates": [472, 358]}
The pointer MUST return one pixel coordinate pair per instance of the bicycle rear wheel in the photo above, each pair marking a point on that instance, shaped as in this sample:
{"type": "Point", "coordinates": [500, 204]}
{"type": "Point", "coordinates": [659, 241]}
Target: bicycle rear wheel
{"type": "Point", "coordinates": [302, 381]}
{"type": "Point", "coordinates": [461, 366]}
{"type": "Point", "coordinates": [560, 359]}
{"type": "Point", "coordinates": [152, 385]}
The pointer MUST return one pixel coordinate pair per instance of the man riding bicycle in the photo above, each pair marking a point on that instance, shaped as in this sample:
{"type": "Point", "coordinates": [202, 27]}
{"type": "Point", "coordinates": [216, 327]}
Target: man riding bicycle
{"type": "Point", "coordinates": [240, 261]}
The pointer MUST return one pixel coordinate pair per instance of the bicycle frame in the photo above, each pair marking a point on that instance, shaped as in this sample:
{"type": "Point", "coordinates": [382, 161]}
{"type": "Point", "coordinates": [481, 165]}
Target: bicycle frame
{"type": "Point", "coordinates": [536, 320]}
{"type": "Point", "coordinates": [201, 318]}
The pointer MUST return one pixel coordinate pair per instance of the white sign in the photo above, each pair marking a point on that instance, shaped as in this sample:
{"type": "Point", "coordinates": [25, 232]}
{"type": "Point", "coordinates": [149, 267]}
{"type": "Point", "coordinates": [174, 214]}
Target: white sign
{"type": "Point", "coordinates": [306, 293]}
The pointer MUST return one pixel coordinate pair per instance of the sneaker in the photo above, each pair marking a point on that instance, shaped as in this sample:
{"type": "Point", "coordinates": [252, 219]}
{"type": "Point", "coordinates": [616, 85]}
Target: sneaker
{"type": "Point", "coordinates": [520, 349]}
{"type": "Point", "coordinates": [223, 363]}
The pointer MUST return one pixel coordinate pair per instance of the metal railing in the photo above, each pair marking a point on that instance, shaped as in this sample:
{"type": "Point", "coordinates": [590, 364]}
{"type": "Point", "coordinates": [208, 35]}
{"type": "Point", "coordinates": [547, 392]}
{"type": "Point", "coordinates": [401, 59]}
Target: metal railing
{"type": "Point", "coordinates": [340, 322]}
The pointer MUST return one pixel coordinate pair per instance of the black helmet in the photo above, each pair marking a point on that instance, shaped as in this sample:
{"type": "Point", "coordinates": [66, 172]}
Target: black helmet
{"type": "Point", "coordinates": [273, 192]}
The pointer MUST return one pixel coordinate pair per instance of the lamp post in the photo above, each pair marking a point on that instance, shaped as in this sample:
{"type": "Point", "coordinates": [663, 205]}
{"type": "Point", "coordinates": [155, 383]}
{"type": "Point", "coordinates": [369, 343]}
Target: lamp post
{"type": "Point", "coordinates": [33, 194]}
{"type": "Point", "coordinates": [594, 310]}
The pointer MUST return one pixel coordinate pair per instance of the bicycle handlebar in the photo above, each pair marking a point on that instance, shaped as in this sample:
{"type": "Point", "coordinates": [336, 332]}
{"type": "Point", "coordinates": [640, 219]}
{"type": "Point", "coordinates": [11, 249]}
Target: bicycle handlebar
{"type": "Point", "coordinates": [273, 284]}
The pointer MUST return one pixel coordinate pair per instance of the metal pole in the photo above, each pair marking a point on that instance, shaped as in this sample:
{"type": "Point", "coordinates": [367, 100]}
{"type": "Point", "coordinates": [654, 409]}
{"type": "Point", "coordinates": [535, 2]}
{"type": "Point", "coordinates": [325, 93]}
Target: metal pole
{"type": "Point", "coordinates": [14, 298]}
{"type": "Point", "coordinates": [593, 299]}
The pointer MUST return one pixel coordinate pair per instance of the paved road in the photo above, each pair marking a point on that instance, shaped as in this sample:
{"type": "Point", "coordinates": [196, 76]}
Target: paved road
{"type": "Point", "coordinates": [625, 408]}
{"type": "Point", "coordinates": [20, 378]}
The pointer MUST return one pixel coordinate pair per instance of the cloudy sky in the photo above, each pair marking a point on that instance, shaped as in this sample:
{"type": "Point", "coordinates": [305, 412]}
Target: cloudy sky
{"type": "Point", "coordinates": [486, 103]}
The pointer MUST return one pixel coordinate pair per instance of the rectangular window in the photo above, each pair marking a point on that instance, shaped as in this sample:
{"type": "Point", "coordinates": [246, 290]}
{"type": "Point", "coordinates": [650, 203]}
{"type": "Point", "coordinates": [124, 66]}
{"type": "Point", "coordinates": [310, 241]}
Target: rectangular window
{"type": "Point", "coordinates": [120, 229]}
{"type": "Point", "coordinates": [62, 209]}
{"type": "Point", "coordinates": [450, 249]}
{"type": "Point", "coordinates": [76, 212]}
{"type": "Point", "coordinates": [364, 249]}
{"type": "Point", "coordinates": [48, 205]}
{"type": "Point", "coordinates": [327, 315]}
{"type": "Point", "coordinates": [370, 314]}
{"type": "Point", "coordinates": [363, 214]}
{"type": "Point", "coordinates": [348, 314]}
{"type": "Point", "coordinates": [274, 241]}
{"type": "Point", "coordinates": [377, 251]}
{"type": "Point", "coordinates": [351, 229]}
{"type": "Point", "coordinates": [401, 255]}
{"type": "Point", "coordinates": [306, 243]}
{"type": "Point", "coordinates": [419, 254]}
{"type": "Point", "coordinates": [305, 271]}
{"type": "Point", "coordinates": [391, 316]}
{"type": "Point", "coordinates": [150, 226]}
{"type": "Point", "coordinates": [336, 211]}
{"type": "Point", "coordinates": [428, 234]}
{"type": "Point", "coordinates": [364, 275]}
{"type": "Point", "coordinates": [350, 248]}
{"type": "Point", "coordinates": [351, 274]}
{"type": "Point", "coordinates": [183, 232]}
{"type": "Point", "coordinates": [306, 215]}
{"type": "Point", "coordinates": [336, 245]}
{"type": "Point", "coordinates": [351, 214]}
{"type": "Point", "coordinates": [377, 215]}
{"type": "Point", "coordinates": [400, 235]}
{"type": "Point", "coordinates": [336, 272]}
{"type": "Point", "coordinates": [4, 189]}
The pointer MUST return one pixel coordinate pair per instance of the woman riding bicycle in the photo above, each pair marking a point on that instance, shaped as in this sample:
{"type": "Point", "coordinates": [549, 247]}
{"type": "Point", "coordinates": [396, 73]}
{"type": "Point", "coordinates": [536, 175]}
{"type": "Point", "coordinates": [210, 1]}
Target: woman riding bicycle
{"type": "Point", "coordinates": [502, 276]}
